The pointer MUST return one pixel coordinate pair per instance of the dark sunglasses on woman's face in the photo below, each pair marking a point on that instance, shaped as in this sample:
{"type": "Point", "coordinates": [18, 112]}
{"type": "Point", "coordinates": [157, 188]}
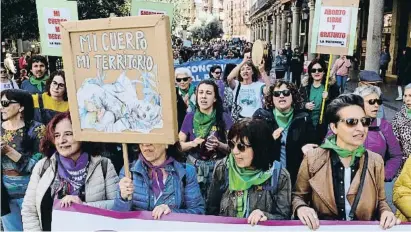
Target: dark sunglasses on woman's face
{"type": "Point", "coordinates": [184, 79]}
{"type": "Point", "coordinates": [286, 93]}
{"type": "Point", "coordinates": [373, 101]}
{"type": "Point", "coordinates": [240, 146]}
{"type": "Point", "coordinates": [365, 121]}
{"type": "Point", "coordinates": [217, 72]}
{"type": "Point", "coordinates": [6, 103]}
{"type": "Point", "coordinates": [315, 70]}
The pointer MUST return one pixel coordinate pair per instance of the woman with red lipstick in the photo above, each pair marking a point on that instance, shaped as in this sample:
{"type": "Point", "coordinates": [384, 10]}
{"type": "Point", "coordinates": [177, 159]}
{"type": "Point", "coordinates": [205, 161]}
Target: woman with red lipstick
{"type": "Point", "coordinates": [313, 93]}
{"type": "Point", "coordinates": [341, 180]}
{"type": "Point", "coordinates": [54, 100]}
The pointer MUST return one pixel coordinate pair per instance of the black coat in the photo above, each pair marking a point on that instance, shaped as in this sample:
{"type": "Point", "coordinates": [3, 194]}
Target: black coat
{"type": "Point", "coordinates": [181, 110]}
{"type": "Point", "coordinates": [333, 93]}
{"type": "Point", "coordinates": [300, 133]}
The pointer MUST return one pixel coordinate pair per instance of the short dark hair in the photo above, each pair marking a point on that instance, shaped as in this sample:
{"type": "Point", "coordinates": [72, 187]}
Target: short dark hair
{"type": "Point", "coordinates": [213, 68]}
{"type": "Point", "coordinates": [310, 69]}
{"type": "Point", "coordinates": [340, 102]}
{"type": "Point", "coordinates": [48, 82]}
{"type": "Point", "coordinates": [24, 99]}
{"type": "Point", "coordinates": [269, 103]}
{"type": "Point", "coordinates": [256, 73]}
{"type": "Point", "coordinates": [35, 59]}
{"type": "Point", "coordinates": [47, 146]}
{"type": "Point", "coordinates": [260, 138]}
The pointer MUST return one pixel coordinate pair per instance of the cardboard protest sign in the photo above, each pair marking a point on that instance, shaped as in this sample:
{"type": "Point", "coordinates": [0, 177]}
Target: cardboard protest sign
{"type": "Point", "coordinates": [139, 8]}
{"type": "Point", "coordinates": [50, 15]}
{"type": "Point", "coordinates": [334, 27]}
{"type": "Point", "coordinates": [120, 79]}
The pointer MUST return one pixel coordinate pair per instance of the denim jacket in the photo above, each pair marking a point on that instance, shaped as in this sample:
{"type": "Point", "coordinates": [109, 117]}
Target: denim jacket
{"type": "Point", "coordinates": [185, 195]}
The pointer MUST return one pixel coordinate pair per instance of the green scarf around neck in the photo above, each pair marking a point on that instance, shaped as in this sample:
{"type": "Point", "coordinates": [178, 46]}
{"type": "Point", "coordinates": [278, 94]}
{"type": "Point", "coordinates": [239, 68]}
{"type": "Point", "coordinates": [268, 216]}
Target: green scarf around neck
{"type": "Point", "coordinates": [242, 179]}
{"type": "Point", "coordinates": [39, 83]}
{"type": "Point", "coordinates": [331, 143]}
{"type": "Point", "coordinates": [203, 123]}
{"type": "Point", "coordinates": [190, 91]}
{"type": "Point", "coordinates": [409, 113]}
{"type": "Point", "coordinates": [283, 119]}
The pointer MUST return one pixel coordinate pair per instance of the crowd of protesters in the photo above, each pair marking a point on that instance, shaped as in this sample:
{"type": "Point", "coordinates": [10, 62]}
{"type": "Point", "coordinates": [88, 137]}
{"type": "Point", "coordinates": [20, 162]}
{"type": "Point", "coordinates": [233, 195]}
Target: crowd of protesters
{"type": "Point", "coordinates": [250, 146]}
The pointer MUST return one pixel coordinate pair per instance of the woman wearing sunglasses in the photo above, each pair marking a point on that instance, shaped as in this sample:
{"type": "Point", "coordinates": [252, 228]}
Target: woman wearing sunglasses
{"type": "Point", "coordinates": [184, 87]}
{"type": "Point", "coordinates": [20, 139]}
{"type": "Point", "coordinates": [381, 138]}
{"type": "Point", "coordinates": [5, 82]}
{"type": "Point", "coordinates": [53, 101]}
{"type": "Point", "coordinates": [72, 172]}
{"type": "Point", "coordinates": [333, 178]}
{"type": "Point", "coordinates": [313, 92]}
{"type": "Point", "coordinates": [402, 124]}
{"type": "Point", "coordinates": [203, 134]}
{"type": "Point", "coordinates": [292, 128]}
{"type": "Point", "coordinates": [249, 183]}
{"type": "Point", "coordinates": [248, 91]}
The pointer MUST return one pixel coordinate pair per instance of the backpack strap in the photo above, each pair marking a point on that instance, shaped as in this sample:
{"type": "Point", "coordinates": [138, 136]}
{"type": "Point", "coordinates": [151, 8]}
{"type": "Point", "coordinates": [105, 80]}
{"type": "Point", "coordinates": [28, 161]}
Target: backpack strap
{"type": "Point", "coordinates": [379, 131]}
{"type": "Point", "coordinates": [41, 108]}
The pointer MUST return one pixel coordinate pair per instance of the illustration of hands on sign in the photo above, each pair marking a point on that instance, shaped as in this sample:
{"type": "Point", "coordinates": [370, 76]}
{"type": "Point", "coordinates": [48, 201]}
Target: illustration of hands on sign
{"type": "Point", "coordinates": [115, 107]}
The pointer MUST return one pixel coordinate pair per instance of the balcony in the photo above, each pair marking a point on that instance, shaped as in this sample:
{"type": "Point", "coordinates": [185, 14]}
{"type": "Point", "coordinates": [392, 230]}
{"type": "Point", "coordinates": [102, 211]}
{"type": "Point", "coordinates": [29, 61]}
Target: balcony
{"type": "Point", "coordinates": [259, 5]}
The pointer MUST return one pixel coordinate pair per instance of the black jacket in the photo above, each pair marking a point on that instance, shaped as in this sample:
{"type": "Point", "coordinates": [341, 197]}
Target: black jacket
{"type": "Point", "coordinates": [300, 133]}
{"type": "Point", "coordinates": [333, 93]}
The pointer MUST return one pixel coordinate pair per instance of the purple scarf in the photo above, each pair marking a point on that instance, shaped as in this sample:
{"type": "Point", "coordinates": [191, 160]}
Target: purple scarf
{"type": "Point", "coordinates": [157, 173]}
{"type": "Point", "coordinates": [73, 173]}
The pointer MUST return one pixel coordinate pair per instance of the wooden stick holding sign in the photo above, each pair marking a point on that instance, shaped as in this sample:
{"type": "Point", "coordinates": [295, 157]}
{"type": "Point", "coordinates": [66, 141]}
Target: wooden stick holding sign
{"type": "Point", "coordinates": [127, 172]}
{"type": "Point", "coordinates": [326, 87]}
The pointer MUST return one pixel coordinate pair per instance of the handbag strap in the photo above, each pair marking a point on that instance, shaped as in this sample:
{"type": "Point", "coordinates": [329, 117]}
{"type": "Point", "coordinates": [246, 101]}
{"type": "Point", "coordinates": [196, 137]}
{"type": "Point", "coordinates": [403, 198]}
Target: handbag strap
{"type": "Point", "coordinates": [360, 188]}
{"type": "Point", "coordinates": [236, 94]}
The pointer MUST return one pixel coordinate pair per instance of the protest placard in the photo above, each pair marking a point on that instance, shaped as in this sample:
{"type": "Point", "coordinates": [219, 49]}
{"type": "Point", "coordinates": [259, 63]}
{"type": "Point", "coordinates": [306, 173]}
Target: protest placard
{"type": "Point", "coordinates": [120, 79]}
{"type": "Point", "coordinates": [50, 15]}
{"type": "Point", "coordinates": [139, 7]}
{"type": "Point", "coordinates": [334, 27]}
{"type": "Point", "coordinates": [93, 219]}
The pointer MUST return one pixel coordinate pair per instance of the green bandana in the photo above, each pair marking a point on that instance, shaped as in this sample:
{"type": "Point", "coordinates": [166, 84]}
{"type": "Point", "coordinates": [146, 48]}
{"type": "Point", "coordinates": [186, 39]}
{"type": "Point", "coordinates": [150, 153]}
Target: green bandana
{"type": "Point", "coordinates": [39, 83]}
{"type": "Point", "coordinates": [190, 91]}
{"type": "Point", "coordinates": [203, 123]}
{"type": "Point", "coordinates": [331, 143]}
{"type": "Point", "coordinates": [283, 119]}
{"type": "Point", "coordinates": [242, 179]}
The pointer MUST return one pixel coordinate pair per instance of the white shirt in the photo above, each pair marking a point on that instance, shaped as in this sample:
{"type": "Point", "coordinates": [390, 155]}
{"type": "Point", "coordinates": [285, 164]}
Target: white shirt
{"type": "Point", "coordinates": [347, 184]}
{"type": "Point", "coordinates": [249, 97]}
{"type": "Point", "coordinates": [9, 85]}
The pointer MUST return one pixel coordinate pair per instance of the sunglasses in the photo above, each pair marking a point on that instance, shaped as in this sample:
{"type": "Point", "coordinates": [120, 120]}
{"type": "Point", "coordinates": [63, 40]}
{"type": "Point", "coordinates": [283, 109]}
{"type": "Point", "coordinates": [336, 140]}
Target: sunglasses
{"type": "Point", "coordinates": [59, 85]}
{"type": "Point", "coordinates": [217, 72]}
{"type": "Point", "coordinates": [315, 70]}
{"type": "Point", "coordinates": [240, 146]}
{"type": "Point", "coordinates": [3, 71]}
{"type": "Point", "coordinates": [373, 101]}
{"type": "Point", "coordinates": [185, 79]}
{"type": "Point", "coordinates": [286, 93]}
{"type": "Point", "coordinates": [366, 122]}
{"type": "Point", "coordinates": [6, 103]}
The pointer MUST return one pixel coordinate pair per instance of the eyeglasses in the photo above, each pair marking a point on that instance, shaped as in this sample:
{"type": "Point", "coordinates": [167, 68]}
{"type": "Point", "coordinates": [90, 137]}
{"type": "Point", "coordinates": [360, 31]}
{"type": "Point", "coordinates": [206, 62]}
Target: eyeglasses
{"type": "Point", "coordinates": [240, 146]}
{"type": "Point", "coordinates": [315, 70]}
{"type": "Point", "coordinates": [286, 93]}
{"type": "Point", "coordinates": [365, 121]}
{"type": "Point", "coordinates": [373, 101]}
{"type": "Point", "coordinates": [184, 79]}
{"type": "Point", "coordinates": [217, 72]}
{"type": "Point", "coordinates": [6, 103]}
{"type": "Point", "coordinates": [59, 85]}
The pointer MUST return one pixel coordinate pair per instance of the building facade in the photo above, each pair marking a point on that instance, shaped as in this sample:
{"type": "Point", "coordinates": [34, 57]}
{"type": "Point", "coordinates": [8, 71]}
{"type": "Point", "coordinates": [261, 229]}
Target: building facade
{"type": "Point", "coordinates": [381, 23]}
{"type": "Point", "coordinates": [236, 23]}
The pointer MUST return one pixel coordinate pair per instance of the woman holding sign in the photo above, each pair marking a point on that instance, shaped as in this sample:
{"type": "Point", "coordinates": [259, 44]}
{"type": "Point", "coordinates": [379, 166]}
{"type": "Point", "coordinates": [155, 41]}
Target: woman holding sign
{"type": "Point", "coordinates": [72, 172]}
{"type": "Point", "coordinates": [203, 134]}
{"type": "Point", "coordinates": [249, 183]}
{"type": "Point", "coordinates": [161, 182]}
